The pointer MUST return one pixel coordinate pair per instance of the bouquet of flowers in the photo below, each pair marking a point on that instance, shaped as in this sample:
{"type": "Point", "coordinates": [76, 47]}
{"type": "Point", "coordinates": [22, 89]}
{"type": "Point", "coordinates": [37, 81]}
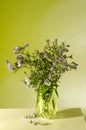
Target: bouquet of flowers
{"type": "Point", "coordinates": [43, 70]}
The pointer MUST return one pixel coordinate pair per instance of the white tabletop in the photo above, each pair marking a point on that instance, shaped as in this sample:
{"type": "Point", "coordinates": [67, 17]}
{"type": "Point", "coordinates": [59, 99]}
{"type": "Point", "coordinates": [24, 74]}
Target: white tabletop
{"type": "Point", "coordinates": [71, 119]}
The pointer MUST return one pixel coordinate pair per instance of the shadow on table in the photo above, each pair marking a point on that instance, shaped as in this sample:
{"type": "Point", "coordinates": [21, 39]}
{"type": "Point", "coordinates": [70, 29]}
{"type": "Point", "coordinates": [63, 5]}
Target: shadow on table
{"type": "Point", "coordinates": [68, 113]}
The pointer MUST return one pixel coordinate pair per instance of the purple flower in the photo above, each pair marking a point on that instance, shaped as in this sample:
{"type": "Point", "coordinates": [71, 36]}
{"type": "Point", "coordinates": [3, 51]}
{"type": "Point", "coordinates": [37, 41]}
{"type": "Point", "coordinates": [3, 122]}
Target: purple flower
{"type": "Point", "coordinates": [26, 44]}
{"type": "Point", "coordinates": [19, 57]}
{"type": "Point", "coordinates": [9, 66]}
{"type": "Point", "coordinates": [26, 81]}
{"type": "Point", "coordinates": [16, 49]}
{"type": "Point", "coordinates": [19, 63]}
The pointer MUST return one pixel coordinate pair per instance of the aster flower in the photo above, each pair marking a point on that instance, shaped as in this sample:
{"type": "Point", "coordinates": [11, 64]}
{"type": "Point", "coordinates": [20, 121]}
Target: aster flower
{"type": "Point", "coordinates": [19, 56]}
{"type": "Point", "coordinates": [26, 44]}
{"type": "Point", "coordinates": [16, 49]}
{"type": "Point", "coordinates": [9, 66]}
{"type": "Point", "coordinates": [19, 63]}
{"type": "Point", "coordinates": [26, 81]}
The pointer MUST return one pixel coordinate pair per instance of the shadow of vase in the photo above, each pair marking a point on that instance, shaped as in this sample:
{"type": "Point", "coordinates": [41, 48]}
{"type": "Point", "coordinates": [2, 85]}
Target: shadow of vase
{"type": "Point", "coordinates": [68, 113]}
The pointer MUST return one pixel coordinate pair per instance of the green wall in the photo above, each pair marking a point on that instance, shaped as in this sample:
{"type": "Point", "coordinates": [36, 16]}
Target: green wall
{"type": "Point", "coordinates": [34, 22]}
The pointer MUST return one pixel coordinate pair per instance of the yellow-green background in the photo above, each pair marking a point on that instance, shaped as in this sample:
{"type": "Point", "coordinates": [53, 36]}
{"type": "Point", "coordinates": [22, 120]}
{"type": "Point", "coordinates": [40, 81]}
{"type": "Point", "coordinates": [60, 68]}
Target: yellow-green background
{"type": "Point", "coordinates": [34, 21]}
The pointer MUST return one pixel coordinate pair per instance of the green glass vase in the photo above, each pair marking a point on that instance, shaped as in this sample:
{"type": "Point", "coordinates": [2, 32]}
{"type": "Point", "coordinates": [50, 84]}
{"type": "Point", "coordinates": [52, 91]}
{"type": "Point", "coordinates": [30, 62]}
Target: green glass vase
{"type": "Point", "coordinates": [46, 109]}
